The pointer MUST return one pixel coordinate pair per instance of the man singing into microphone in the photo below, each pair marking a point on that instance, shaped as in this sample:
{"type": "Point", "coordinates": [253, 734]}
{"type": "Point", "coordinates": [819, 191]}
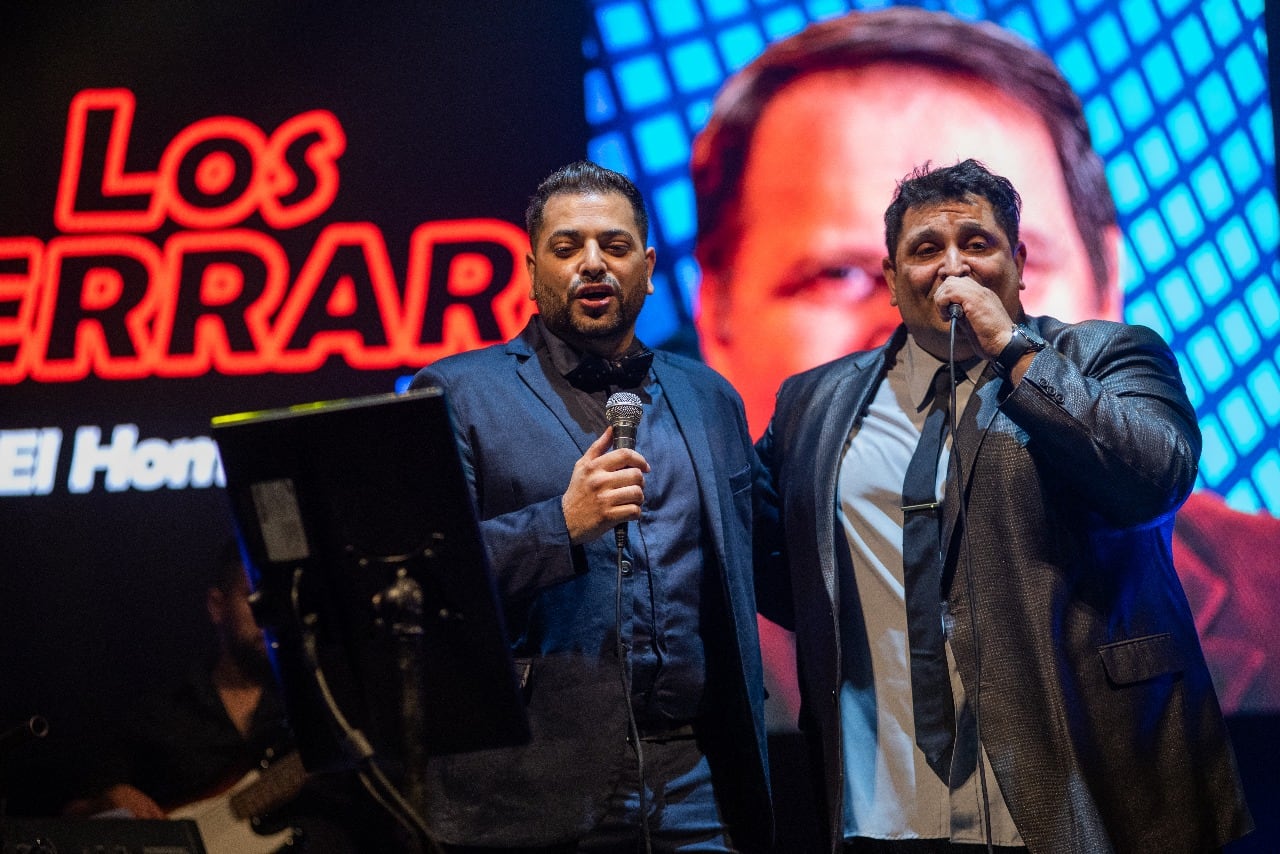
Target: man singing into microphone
{"type": "Point", "coordinates": [970, 539]}
{"type": "Point", "coordinates": [641, 671]}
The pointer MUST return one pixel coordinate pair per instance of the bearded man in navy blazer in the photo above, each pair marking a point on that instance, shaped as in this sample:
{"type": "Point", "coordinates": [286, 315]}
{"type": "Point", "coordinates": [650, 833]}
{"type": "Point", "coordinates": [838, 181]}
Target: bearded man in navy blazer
{"type": "Point", "coordinates": [641, 671]}
{"type": "Point", "coordinates": [1073, 711]}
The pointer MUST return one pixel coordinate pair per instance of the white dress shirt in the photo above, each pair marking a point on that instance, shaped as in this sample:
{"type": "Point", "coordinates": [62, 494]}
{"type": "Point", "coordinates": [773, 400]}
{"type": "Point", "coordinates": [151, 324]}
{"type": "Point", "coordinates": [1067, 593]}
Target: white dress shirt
{"type": "Point", "coordinates": [890, 791]}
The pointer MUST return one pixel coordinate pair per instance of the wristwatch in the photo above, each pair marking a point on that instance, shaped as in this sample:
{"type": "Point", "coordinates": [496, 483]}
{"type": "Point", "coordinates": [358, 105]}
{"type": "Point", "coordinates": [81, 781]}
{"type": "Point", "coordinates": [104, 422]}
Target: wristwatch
{"type": "Point", "coordinates": [1023, 341]}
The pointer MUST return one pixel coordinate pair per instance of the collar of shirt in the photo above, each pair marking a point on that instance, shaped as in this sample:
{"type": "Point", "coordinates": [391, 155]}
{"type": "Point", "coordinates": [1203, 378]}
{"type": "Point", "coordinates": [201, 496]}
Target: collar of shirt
{"type": "Point", "coordinates": [921, 366]}
{"type": "Point", "coordinates": [567, 359]}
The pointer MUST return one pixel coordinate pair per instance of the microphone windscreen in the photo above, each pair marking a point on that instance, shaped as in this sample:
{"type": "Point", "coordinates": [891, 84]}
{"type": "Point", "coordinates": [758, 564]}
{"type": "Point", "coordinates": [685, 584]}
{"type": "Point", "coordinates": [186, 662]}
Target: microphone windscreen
{"type": "Point", "coordinates": [623, 407]}
{"type": "Point", "coordinates": [623, 411]}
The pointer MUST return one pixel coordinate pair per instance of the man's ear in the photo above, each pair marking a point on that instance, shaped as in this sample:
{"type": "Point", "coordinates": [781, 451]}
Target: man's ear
{"type": "Point", "coordinates": [711, 318]}
{"type": "Point", "coordinates": [886, 265]}
{"type": "Point", "coordinates": [1110, 302]}
{"type": "Point", "coordinates": [529, 265]}
{"type": "Point", "coordinates": [215, 602]}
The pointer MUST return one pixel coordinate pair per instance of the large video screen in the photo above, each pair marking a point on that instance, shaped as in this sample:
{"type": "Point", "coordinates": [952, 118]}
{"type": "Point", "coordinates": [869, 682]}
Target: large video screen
{"type": "Point", "coordinates": [1175, 94]}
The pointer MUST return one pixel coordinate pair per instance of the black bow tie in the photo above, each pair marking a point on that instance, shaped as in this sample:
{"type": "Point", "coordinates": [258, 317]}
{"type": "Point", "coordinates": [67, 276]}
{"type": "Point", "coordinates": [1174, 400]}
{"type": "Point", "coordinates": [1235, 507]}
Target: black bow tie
{"type": "Point", "coordinates": [598, 374]}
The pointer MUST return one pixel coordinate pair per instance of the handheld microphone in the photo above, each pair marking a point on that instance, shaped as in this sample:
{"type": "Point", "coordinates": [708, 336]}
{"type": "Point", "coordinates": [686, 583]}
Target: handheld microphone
{"type": "Point", "coordinates": [955, 311]}
{"type": "Point", "coordinates": [623, 411]}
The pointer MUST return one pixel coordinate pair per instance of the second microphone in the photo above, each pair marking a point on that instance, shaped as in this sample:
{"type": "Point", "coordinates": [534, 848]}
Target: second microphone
{"type": "Point", "coordinates": [623, 411]}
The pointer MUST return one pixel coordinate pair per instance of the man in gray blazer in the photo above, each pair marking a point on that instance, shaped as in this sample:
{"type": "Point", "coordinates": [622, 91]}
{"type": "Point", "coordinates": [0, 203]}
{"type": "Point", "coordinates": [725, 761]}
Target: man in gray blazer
{"type": "Point", "coordinates": [1031, 677]}
{"type": "Point", "coordinates": [638, 656]}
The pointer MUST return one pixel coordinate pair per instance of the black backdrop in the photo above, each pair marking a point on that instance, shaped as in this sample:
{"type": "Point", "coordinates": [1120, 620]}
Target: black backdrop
{"type": "Point", "coordinates": [451, 111]}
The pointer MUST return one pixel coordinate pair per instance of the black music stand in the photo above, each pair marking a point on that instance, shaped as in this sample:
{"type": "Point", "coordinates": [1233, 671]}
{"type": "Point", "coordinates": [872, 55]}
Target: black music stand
{"type": "Point", "coordinates": [372, 581]}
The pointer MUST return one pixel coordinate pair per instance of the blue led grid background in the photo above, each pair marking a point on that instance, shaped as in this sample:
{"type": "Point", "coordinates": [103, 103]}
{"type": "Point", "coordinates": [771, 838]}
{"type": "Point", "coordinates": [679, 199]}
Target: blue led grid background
{"type": "Point", "coordinates": [1176, 96]}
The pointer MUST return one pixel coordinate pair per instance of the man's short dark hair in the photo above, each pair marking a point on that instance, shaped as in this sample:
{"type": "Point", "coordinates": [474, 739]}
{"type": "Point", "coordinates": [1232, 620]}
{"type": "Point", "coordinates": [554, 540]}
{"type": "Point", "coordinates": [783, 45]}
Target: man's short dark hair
{"type": "Point", "coordinates": [929, 186]}
{"type": "Point", "coordinates": [584, 177]}
{"type": "Point", "coordinates": [905, 35]}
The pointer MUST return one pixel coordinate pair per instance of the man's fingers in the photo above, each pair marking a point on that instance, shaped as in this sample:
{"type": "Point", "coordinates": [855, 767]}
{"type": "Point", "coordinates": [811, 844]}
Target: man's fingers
{"type": "Point", "coordinates": [601, 445]}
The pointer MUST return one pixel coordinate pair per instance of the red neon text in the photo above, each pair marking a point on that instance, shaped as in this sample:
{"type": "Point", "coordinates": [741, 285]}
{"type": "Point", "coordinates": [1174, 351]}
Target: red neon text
{"type": "Point", "coordinates": [104, 299]}
{"type": "Point", "coordinates": [213, 174]}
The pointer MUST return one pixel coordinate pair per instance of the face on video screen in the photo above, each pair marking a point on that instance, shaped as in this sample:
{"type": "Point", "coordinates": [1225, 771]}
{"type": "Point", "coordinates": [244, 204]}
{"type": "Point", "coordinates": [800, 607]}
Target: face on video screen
{"type": "Point", "coordinates": [805, 284]}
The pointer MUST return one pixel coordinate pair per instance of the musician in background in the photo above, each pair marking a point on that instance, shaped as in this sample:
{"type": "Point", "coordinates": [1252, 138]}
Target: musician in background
{"type": "Point", "coordinates": [182, 751]}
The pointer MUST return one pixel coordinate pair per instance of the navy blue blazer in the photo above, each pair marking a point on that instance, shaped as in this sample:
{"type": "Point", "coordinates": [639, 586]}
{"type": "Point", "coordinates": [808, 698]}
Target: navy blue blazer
{"type": "Point", "coordinates": [1098, 713]}
{"type": "Point", "coordinates": [519, 445]}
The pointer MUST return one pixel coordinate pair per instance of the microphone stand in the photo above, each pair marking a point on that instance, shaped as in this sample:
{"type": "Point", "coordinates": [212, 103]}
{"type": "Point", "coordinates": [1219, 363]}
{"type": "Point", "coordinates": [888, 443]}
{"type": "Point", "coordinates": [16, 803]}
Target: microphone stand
{"type": "Point", "coordinates": [399, 607]}
{"type": "Point", "coordinates": [34, 727]}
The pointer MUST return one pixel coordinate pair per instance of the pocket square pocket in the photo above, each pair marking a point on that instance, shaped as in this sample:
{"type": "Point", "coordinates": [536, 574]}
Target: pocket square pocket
{"type": "Point", "coordinates": [1140, 659]}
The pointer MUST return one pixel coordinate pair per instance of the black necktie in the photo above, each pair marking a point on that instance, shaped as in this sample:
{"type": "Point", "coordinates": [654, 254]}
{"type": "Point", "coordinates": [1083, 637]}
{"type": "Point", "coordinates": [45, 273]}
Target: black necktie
{"type": "Point", "coordinates": [594, 373]}
{"type": "Point", "coordinates": [931, 699]}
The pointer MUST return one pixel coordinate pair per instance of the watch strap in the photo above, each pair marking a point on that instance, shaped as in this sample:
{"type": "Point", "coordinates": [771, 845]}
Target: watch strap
{"type": "Point", "coordinates": [1022, 342]}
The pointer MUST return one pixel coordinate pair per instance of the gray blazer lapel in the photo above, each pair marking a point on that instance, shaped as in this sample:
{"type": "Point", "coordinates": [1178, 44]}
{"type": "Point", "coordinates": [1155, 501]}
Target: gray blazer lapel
{"type": "Point", "coordinates": [968, 439]}
{"type": "Point", "coordinates": [847, 398]}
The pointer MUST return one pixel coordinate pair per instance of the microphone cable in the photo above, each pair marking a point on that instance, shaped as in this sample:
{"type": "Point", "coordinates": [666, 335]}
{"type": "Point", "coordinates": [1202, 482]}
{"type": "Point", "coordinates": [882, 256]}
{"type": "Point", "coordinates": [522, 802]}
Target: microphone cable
{"type": "Point", "coordinates": [624, 668]}
{"type": "Point", "coordinates": [956, 312]}
{"type": "Point", "coordinates": [620, 409]}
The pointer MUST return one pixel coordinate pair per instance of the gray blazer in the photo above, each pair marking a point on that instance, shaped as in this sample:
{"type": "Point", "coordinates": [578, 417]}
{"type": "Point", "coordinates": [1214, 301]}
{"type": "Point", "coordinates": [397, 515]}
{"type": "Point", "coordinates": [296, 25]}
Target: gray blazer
{"type": "Point", "coordinates": [1098, 713]}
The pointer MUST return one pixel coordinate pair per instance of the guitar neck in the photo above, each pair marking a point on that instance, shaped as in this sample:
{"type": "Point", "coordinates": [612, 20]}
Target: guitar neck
{"type": "Point", "coordinates": [277, 784]}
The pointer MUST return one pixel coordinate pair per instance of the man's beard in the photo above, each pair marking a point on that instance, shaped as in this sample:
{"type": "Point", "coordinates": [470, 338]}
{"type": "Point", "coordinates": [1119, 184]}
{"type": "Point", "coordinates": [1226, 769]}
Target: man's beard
{"type": "Point", "coordinates": [579, 327]}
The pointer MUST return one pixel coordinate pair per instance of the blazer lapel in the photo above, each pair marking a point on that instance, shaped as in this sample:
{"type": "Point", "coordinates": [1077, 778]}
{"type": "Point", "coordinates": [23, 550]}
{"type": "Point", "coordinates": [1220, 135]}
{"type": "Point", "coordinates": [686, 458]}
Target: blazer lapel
{"type": "Point", "coordinates": [529, 369]}
{"type": "Point", "coordinates": [969, 436]}
{"type": "Point", "coordinates": [844, 401]}
{"type": "Point", "coordinates": [685, 407]}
